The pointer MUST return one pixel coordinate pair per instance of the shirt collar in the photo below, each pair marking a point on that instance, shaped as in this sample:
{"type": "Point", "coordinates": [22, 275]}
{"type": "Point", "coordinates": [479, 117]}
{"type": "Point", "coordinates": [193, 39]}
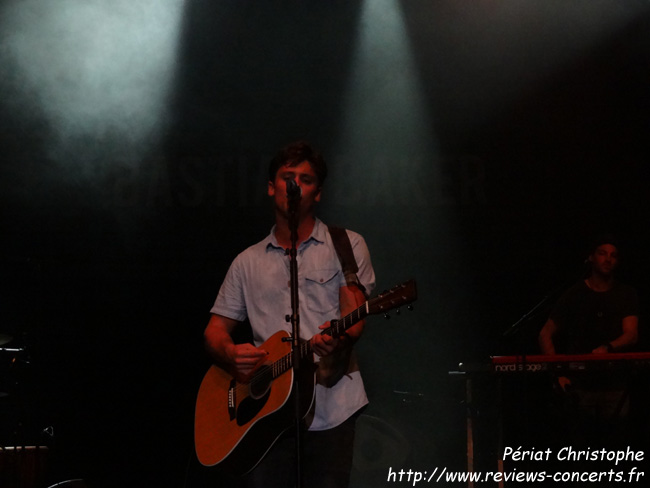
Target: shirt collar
{"type": "Point", "coordinates": [318, 234]}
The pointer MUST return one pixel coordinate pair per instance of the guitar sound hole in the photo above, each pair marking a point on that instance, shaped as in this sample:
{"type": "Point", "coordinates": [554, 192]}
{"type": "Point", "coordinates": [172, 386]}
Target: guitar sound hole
{"type": "Point", "coordinates": [261, 383]}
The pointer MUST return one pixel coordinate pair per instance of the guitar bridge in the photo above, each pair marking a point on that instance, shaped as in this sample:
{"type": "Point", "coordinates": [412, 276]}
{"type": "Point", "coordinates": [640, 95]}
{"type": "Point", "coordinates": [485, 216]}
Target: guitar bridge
{"type": "Point", "coordinates": [232, 400]}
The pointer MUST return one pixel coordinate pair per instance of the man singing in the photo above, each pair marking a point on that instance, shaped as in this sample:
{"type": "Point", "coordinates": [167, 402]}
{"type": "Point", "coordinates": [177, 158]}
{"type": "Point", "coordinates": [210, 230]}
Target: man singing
{"type": "Point", "coordinates": [257, 288]}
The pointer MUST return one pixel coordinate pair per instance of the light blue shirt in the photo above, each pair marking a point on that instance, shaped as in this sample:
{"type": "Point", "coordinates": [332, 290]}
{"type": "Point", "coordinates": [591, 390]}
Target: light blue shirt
{"type": "Point", "coordinates": [257, 287]}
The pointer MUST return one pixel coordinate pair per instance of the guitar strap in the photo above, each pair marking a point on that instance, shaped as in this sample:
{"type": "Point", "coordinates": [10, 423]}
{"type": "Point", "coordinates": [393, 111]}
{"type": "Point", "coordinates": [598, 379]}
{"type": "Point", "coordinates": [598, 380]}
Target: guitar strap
{"type": "Point", "coordinates": [343, 248]}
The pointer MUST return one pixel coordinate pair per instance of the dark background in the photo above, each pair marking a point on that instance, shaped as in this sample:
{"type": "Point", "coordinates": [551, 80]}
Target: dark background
{"type": "Point", "coordinates": [477, 147]}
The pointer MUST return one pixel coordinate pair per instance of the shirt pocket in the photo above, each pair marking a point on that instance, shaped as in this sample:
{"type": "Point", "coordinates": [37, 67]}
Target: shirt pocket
{"type": "Point", "coordinates": [321, 289]}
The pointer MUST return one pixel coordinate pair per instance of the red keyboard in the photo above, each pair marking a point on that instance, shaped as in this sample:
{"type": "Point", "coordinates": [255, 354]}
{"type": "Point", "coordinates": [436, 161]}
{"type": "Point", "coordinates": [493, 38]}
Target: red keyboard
{"type": "Point", "coordinates": [570, 362]}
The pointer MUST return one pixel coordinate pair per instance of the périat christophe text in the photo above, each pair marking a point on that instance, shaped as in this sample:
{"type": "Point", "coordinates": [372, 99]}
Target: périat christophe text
{"type": "Point", "coordinates": [589, 465]}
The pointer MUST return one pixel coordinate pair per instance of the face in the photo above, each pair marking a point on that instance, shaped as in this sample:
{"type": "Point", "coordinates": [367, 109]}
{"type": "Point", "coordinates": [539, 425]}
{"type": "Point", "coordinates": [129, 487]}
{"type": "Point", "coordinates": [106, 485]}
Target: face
{"type": "Point", "coordinates": [604, 259]}
{"type": "Point", "coordinates": [305, 177]}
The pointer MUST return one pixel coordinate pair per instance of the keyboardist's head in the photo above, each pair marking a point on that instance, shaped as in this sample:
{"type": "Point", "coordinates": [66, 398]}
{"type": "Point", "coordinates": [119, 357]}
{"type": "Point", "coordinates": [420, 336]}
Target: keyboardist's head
{"type": "Point", "coordinates": [604, 255]}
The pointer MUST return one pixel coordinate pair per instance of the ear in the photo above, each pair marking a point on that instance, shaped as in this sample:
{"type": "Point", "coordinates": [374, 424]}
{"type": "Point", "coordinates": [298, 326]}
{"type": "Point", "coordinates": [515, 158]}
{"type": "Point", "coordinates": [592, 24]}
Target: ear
{"type": "Point", "coordinates": [317, 196]}
{"type": "Point", "coordinates": [271, 189]}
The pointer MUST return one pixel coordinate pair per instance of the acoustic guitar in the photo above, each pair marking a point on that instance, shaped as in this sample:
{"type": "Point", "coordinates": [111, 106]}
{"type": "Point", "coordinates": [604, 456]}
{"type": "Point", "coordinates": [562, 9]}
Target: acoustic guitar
{"type": "Point", "coordinates": [237, 423]}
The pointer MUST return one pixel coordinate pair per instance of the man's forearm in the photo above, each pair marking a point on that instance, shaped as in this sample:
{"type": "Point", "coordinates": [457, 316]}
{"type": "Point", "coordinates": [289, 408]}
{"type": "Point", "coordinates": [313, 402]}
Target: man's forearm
{"type": "Point", "coordinates": [545, 338]}
{"type": "Point", "coordinates": [623, 341]}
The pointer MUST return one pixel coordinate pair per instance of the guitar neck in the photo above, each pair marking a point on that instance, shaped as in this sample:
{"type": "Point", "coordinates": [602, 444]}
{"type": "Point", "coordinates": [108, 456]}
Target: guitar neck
{"type": "Point", "coordinates": [403, 294]}
{"type": "Point", "coordinates": [336, 328]}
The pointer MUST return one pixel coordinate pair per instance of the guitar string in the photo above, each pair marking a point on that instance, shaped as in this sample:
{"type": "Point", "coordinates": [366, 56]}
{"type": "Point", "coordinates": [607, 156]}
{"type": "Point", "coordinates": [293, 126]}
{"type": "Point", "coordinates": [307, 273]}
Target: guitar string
{"type": "Point", "coordinates": [284, 363]}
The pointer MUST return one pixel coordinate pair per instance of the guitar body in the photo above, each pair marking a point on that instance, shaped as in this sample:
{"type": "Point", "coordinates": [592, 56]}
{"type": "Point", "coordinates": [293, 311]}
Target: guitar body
{"type": "Point", "coordinates": [236, 423]}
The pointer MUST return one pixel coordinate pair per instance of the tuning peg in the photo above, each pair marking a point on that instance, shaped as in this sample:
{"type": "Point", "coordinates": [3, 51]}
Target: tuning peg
{"type": "Point", "coordinates": [386, 316]}
{"type": "Point", "coordinates": [410, 307]}
{"type": "Point", "coordinates": [398, 311]}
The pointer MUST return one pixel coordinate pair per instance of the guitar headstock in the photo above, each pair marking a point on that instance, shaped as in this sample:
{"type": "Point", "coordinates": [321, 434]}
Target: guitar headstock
{"type": "Point", "coordinates": [397, 296]}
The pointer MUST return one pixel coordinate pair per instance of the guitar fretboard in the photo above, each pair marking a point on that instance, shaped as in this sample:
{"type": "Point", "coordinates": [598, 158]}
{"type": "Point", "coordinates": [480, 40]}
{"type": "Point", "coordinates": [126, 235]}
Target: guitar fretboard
{"type": "Point", "coordinates": [336, 328]}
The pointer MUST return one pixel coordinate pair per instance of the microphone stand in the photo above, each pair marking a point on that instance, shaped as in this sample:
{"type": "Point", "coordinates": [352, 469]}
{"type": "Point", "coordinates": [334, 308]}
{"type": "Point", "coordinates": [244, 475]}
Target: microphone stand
{"type": "Point", "coordinates": [517, 326]}
{"type": "Point", "coordinates": [522, 323]}
{"type": "Point", "coordinates": [517, 330]}
{"type": "Point", "coordinates": [294, 201]}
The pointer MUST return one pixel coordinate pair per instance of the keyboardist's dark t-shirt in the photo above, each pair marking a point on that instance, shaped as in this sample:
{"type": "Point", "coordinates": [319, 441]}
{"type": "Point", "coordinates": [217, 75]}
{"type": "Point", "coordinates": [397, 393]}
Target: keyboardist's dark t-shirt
{"type": "Point", "coordinates": [587, 319]}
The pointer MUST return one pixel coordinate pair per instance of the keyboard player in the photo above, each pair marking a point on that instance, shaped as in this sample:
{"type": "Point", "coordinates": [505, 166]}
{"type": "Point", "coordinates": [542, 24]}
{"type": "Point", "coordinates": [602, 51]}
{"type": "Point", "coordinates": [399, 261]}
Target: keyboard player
{"type": "Point", "coordinates": [596, 315]}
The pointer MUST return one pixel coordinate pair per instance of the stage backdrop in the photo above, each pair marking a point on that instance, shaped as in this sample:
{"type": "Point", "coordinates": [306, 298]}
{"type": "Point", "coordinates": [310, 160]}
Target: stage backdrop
{"type": "Point", "coordinates": [477, 147]}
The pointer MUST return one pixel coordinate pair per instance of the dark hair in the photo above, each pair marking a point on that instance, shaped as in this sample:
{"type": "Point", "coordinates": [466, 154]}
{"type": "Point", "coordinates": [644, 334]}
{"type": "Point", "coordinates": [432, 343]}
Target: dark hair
{"type": "Point", "coordinates": [294, 154]}
{"type": "Point", "coordinates": [603, 239]}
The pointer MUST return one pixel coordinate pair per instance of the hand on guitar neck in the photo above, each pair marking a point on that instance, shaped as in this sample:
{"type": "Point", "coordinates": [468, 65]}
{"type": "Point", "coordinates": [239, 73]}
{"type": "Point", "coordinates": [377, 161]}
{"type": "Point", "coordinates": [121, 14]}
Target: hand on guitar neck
{"type": "Point", "coordinates": [324, 344]}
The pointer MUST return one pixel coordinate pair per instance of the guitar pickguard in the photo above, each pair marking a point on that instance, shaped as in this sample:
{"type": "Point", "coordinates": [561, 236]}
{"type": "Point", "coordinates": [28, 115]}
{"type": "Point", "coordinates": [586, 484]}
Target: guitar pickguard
{"type": "Point", "coordinates": [245, 401]}
{"type": "Point", "coordinates": [250, 407]}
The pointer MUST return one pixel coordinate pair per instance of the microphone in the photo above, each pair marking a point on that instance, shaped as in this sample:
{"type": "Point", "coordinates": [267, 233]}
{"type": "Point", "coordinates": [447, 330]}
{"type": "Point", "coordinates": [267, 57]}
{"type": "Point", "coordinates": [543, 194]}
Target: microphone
{"type": "Point", "coordinates": [293, 190]}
